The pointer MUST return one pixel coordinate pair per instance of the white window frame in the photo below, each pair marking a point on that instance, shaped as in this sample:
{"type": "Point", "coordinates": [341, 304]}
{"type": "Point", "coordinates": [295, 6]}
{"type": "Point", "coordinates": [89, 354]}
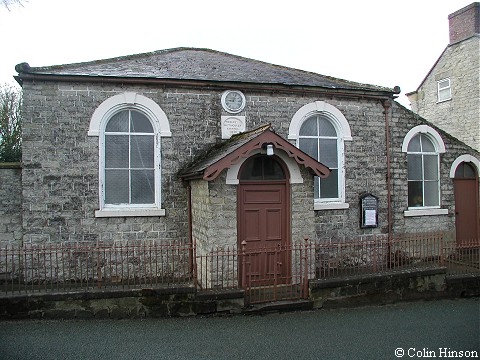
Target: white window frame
{"type": "Point", "coordinates": [439, 145]}
{"type": "Point", "coordinates": [342, 128]}
{"type": "Point", "coordinates": [161, 127]}
{"type": "Point", "coordinates": [444, 89]}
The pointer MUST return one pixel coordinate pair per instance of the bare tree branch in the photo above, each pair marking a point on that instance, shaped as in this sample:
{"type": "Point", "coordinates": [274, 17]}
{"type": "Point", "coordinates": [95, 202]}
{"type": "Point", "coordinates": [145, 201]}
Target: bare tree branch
{"type": "Point", "coordinates": [8, 3]}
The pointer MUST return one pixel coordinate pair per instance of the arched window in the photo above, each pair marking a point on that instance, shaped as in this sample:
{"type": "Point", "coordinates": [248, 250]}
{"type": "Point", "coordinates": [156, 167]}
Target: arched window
{"type": "Point", "coordinates": [129, 146]}
{"type": "Point", "coordinates": [423, 173]}
{"type": "Point", "coordinates": [262, 168]}
{"type": "Point", "coordinates": [319, 139]}
{"type": "Point", "coordinates": [423, 146]}
{"type": "Point", "coordinates": [465, 171]}
{"type": "Point", "coordinates": [130, 127]}
{"type": "Point", "coordinates": [320, 130]}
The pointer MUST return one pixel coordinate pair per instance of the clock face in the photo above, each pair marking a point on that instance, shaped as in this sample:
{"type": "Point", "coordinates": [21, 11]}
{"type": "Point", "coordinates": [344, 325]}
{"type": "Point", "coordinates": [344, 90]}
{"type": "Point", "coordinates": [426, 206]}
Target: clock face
{"type": "Point", "coordinates": [233, 101]}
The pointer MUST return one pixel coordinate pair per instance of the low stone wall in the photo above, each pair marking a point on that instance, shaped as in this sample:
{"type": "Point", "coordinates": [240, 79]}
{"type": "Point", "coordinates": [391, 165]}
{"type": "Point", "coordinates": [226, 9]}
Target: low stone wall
{"type": "Point", "coordinates": [120, 304]}
{"type": "Point", "coordinates": [381, 289]}
{"type": "Point", "coordinates": [425, 284]}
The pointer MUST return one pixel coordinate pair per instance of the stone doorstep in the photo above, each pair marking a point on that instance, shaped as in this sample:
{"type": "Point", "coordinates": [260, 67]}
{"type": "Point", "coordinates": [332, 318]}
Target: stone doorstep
{"type": "Point", "coordinates": [224, 294]}
{"type": "Point", "coordinates": [279, 306]}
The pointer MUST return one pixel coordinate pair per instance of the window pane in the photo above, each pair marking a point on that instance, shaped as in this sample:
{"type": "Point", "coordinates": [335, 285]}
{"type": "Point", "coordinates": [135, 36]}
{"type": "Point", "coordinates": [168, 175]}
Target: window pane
{"type": "Point", "coordinates": [414, 144]}
{"type": "Point", "coordinates": [309, 146]}
{"type": "Point", "coordinates": [142, 151]}
{"type": "Point", "coordinates": [414, 167]}
{"type": "Point", "coordinates": [325, 127]}
{"type": "Point", "coordinates": [444, 94]}
{"type": "Point", "coordinates": [116, 186]}
{"type": "Point", "coordinates": [272, 169]}
{"type": "Point", "coordinates": [430, 165]}
{"type": "Point", "coordinates": [442, 84]}
{"type": "Point", "coordinates": [116, 151]}
{"type": "Point", "coordinates": [415, 197]}
{"type": "Point", "coordinates": [262, 168]}
{"type": "Point", "coordinates": [309, 127]}
{"type": "Point", "coordinates": [465, 170]}
{"type": "Point", "coordinates": [118, 122]}
{"type": "Point", "coordinates": [469, 171]}
{"type": "Point", "coordinates": [140, 123]}
{"type": "Point", "coordinates": [143, 185]}
{"type": "Point", "coordinates": [328, 152]}
{"type": "Point", "coordinates": [431, 193]}
{"type": "Point", "coordinates": [427, 145]}
{"type": "Point", "coordinates": [252, 169]}
{"type": "Point", "coordinates": [329, 186]}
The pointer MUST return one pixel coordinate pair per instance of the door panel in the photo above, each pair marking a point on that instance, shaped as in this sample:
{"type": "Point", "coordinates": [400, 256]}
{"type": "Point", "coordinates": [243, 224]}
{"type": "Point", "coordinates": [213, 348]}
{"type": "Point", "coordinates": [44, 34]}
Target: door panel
{"type": "Point", "coordinates": [263, 223]}
{"type": "Point", "coordinates": [466, 210]}
{"type": "Point", "coordinates": [273, 225]}
{"type": "Point", "coordinates": [252, 231]}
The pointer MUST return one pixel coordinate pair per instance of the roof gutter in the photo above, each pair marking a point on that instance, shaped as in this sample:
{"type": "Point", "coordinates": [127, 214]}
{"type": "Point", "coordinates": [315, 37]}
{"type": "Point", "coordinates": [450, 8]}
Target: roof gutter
{"type": "Point", "coordinates": [351, 93]}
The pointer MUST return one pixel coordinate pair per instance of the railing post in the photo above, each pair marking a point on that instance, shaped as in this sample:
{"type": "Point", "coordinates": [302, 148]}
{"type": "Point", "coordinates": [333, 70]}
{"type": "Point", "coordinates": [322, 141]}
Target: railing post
{"type": "Point", "coordinates": [275, 271]}
{"type": "Point", "coordinates": [440, 241]}
{"type": "Point", "coordinates": [306, 265]}
{"type": "Point", "coordinates": [244, 264]}
{"type": "Point", "coordinates": [99, 270]}
{"type": "Point", "coordinates": [193, 253]}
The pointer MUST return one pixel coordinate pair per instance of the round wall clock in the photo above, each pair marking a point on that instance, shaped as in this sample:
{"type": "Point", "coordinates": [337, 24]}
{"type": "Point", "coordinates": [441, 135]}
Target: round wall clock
{"type": "Point", "coordinates": [233, 101]}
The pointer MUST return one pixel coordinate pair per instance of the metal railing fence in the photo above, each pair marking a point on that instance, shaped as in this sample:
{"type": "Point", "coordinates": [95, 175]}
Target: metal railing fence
{"type": "Point", "coordinates": [61, 267]}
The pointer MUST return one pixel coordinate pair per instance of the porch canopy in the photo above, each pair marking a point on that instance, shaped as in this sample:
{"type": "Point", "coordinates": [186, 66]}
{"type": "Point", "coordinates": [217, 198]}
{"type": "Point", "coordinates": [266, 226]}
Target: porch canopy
{"type": "Point", "coordinates": [222, 156]}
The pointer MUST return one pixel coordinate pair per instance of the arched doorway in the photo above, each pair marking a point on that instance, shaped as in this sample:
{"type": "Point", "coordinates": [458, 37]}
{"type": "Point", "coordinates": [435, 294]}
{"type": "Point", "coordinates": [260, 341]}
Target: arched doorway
{"type": "Point", "coordinates": [466, 204]}
{"type": "Point", "coordinates": [263, 221]}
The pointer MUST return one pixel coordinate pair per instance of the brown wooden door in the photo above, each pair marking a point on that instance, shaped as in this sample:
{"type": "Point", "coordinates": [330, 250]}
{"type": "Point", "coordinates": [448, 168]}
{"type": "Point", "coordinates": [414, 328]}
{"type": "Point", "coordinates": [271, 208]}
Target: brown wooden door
{"type": "Point", "coordinates": [263, 226]}
{"type": "Point", "coordinates": [466, 205]}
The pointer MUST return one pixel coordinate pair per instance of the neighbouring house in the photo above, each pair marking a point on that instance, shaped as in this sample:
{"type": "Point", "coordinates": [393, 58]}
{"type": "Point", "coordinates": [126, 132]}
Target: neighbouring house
{"type": "Point", "coordinates": [195, 145]}
{"type": "Point", "coordinates": [449, 96]}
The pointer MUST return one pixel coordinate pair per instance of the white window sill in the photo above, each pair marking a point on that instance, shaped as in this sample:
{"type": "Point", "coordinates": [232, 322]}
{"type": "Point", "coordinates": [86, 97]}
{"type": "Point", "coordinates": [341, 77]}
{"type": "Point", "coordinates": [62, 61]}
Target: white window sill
{"type": "Point", "coordinates": [442, 101]}
{"type": "Point", "coordinates": [330, 206]}
{"type": "Point", "coordinates": [129, 212]}
{"type": "Point", "coordinates": [425, 212]}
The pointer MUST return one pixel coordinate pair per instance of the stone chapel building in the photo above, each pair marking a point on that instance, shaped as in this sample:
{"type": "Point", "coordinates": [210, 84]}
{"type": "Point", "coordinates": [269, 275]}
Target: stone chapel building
{"type": "Point", "coordinates": [198, 145]}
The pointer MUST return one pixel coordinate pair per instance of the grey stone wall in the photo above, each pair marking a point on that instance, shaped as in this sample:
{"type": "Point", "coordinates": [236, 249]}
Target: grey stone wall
{"type": "Point", "coordinates": [459, 116]}
{"type": "Point", "coordinates": [10, 204]}
{"type": "Point", "coordinates": [402, 121]}
{"type": "Point", "coordinates": [302, 213]}
{"type": "Point", "coordinates": [60, 165]}
{"type": "Point", "coordinates": [60, 174]}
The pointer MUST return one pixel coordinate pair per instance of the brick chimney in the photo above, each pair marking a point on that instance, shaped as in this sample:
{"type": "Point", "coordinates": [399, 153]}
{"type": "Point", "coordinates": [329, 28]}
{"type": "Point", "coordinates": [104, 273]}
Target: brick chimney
{"type": "Point", "coordinates": [464, 23]}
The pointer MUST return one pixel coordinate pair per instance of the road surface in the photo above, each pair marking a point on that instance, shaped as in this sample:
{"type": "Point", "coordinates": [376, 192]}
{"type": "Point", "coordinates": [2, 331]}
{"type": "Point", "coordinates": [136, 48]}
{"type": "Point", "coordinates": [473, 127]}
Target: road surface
{"type": "Point", "coordinates": [406, 330]}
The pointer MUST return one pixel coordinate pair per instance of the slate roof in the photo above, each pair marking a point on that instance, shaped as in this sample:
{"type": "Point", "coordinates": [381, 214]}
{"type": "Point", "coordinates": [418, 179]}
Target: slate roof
{"type": "Point", "coordinates": [196, 64]}
{"type": "Point", "coordinates": [219, 151]}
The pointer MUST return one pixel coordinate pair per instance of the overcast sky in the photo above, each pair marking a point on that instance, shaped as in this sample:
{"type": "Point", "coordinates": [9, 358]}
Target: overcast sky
{"type": "Point", "coordinates": [380, 42]}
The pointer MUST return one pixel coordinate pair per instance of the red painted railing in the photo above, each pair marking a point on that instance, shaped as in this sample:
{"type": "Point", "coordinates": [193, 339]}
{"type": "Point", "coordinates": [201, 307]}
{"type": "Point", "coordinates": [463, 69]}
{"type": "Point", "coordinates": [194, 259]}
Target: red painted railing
{"type": "Point", "coordinates": [65, 267]}
{"type": "Point", "coordinates": [81, 267]}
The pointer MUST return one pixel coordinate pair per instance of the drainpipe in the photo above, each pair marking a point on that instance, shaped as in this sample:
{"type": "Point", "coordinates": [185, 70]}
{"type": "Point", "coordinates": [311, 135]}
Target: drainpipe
{"type": "Point", "coordinates": [386, 106]}
{"type": "Point", "coordinates": [192, 261]}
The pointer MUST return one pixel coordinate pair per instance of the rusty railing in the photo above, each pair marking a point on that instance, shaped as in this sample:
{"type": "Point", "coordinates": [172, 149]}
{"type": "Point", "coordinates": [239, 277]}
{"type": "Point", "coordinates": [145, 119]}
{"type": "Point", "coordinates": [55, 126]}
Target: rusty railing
{"type": "Point", "coordinates": [60, 267]}
{"type": "Point", "coordinates": [273, 273]}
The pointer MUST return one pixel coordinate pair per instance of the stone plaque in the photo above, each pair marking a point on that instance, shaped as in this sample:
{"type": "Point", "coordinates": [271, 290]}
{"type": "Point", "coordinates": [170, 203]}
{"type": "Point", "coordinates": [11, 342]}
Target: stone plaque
{"type": "Point", "coordinates": [232, 125]}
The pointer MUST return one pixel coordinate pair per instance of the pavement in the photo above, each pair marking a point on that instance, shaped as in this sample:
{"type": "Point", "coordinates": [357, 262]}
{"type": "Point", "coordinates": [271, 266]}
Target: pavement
{"type": "Point", "coordinates": [415, 330]}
